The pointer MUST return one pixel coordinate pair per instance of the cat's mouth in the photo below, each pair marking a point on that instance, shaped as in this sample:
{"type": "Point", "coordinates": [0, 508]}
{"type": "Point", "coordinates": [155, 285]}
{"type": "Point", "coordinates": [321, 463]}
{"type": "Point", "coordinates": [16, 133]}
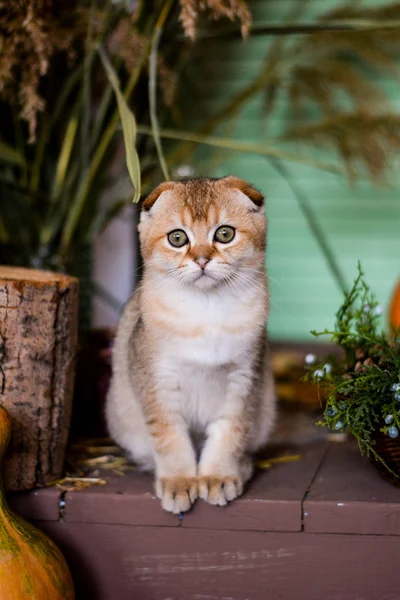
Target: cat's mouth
{"type": "Point", "coordinates": [203, 273]}
{"type": "Point", "coordinates": [206, 280]}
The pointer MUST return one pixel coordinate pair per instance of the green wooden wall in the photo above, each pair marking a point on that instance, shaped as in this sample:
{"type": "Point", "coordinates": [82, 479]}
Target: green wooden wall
{"type": "Point", "coordinates": [359, 223]}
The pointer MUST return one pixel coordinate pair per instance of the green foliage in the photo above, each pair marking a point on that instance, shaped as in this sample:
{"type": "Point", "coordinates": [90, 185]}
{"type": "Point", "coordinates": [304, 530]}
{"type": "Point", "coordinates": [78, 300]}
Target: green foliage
{"type": "Point", "coordinates": [51, 181]}
{"type": "Point", "coordinates": [363, 384]}
{"type": "Point", "coordinates": [129, 127]}
{"type": "Point", "coordinates": [69, 77]}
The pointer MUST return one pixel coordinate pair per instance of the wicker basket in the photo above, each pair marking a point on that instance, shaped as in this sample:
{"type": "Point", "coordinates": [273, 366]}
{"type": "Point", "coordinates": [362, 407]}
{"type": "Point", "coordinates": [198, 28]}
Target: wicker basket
{"type": "Point", "coordinates": [389, 450]}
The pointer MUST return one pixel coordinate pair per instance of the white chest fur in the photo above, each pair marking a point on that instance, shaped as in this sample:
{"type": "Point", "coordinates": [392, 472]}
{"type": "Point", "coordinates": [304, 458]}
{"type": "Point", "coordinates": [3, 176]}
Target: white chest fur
{"type": "Point", "coordinates": [211, 329]}
{"type": "Point", "coordinates": [198, 338]}
{"type": "Point", "coordinates": [215, 346]}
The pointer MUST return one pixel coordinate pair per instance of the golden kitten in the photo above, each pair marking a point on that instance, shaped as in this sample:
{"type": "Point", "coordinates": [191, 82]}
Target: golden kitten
{"type": "Point", "coordinates": [192, 393]}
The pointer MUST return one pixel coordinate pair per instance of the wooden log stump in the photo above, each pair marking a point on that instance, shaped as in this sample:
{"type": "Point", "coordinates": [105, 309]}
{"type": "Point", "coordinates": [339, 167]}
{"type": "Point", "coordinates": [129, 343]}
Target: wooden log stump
{"type": "Point", "coordinates": [38, 340]}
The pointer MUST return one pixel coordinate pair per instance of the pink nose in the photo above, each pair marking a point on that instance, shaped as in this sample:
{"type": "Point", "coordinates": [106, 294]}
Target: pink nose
{"type": "Point", "coordinates": [202, 262]}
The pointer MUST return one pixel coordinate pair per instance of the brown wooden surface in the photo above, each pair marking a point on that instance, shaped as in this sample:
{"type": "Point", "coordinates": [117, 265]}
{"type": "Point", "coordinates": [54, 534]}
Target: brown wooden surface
{"type": "Point", "coordinates": [120, 562]}
{"type": "Point", "coordinates": [38, 335]}
{"type": "Point", "coordinates": [121, 546]}
{"type": "Point", "coordinates": [127, 500]}
{"type": "Point", "coordinates": [271, 503]}
{"type": "Point", "coordinates": [349, 496]}
{"type": "Point", "coordinates": [36, 505]}
{"type": "Point", "coordinates": [331, 490]}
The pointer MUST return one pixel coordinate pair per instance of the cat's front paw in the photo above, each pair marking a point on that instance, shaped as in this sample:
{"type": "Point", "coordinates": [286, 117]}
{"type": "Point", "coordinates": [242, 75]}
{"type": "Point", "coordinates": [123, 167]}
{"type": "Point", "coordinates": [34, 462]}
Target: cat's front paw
{"type": "Point", "coordinates": [220, 490]}
{"type": "Point", "coordinates": [177, 494]}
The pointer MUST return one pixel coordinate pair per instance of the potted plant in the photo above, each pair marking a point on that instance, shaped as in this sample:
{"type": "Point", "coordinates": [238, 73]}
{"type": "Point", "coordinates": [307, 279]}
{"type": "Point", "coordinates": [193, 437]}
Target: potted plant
{"type": "Point", "coordinates": [363, 384]}
{"type": "Point", "coordinates": [71, 76]}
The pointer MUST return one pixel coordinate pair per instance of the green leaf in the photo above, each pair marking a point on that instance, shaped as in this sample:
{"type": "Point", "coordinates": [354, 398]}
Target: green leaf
{"type": "Point", "coordinates": [153, 102]}
{"type": "Point", "coordinates": [69, 86]}
{"type": "Point", "coordinates": [65, 155]}
{"type": "Point", "coordinates": [128, 126]}
{"type": "Point", "coordinates": [11, 155]}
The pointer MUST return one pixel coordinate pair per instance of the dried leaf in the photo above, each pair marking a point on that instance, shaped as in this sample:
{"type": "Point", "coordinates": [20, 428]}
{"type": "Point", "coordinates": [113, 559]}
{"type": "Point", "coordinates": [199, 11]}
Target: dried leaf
{"type": "Point", "coordinates": [215, 9]}
{"type": "Point", "coordinates": [31, 33]}
{"type": "Point", "coordinates": [127, 43]}
{"type": "Point", "coordinates": [365, 141]}
{"type": "Point", "coordinates": [269, 462]}
{"type": "Point", "coordinates": [75, 484]}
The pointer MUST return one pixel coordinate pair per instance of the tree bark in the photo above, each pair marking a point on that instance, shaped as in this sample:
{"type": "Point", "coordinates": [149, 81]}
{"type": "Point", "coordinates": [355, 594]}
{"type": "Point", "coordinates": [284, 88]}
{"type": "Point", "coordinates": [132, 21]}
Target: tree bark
{"type": "Point", "coordinates": [38, 340]}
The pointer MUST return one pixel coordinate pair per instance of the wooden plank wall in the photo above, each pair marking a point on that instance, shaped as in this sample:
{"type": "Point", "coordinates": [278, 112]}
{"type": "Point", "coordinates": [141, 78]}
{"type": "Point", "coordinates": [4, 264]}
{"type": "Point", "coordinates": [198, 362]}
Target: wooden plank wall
{"type": "Point", "coordinates": [359, 223]}
{"type": "Point", "coordinates": [118, 562]}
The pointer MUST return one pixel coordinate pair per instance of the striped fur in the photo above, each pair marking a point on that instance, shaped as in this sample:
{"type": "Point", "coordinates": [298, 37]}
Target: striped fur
{"type": "Point", "coordinates": [192, 391]}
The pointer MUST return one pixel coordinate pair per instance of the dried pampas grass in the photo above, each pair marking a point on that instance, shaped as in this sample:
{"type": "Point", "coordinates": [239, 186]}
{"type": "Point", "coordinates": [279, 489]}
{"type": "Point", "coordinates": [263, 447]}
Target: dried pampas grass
{"type": "Point", "coordinates": [215, 9]}
{"type": "Point", "coordinates": [364, 141]}
{"type": "Point", "coordinates": [31, 32]}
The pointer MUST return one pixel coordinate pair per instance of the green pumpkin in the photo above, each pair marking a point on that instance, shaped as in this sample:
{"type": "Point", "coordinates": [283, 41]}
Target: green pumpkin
{"type": "Point", "coordinates": [31, 565]}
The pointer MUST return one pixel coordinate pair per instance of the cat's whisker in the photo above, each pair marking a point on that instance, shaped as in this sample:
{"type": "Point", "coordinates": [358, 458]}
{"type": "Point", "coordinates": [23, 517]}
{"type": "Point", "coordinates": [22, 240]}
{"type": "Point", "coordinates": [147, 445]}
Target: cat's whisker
{"type": "Point", "coordinates": [135, 291]}
{"type": "Point", "coordinates": [129, 297]}
{"type": "Point", "coordinates": [254, 270]}
{"type": "Point", "coordinates": [272, 303]}
{"type": "Point", "coordinates": [274, 280]}
{"type": "Point", "coordinates": [250, 281]}
{"type": "Point", "coordinates": [259, 271]}
{"type": "Point", "coordinates": [140, 312]}
{"type": "Point", "coordinates": [143, 285]}
{"type": "Point", "coordinates": [236, 282]}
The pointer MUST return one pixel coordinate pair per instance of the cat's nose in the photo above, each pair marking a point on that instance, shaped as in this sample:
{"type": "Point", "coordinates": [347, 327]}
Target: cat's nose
{"type": "Point", "coordinates": [201, 261]}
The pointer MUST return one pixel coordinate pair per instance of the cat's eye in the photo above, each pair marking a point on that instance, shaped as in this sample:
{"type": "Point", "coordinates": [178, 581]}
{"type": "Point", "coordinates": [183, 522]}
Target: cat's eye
{"type": "Point", "coordinates": [224, 234]}
{"type": "Point", "coordinates": [178, 238]}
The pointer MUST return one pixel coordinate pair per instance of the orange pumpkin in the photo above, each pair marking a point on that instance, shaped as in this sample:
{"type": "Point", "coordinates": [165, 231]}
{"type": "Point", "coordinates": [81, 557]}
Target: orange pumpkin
{"type": "Point", "coordinates": [31, 565]}
{"type": "Point", "coordinates": [394, 315]}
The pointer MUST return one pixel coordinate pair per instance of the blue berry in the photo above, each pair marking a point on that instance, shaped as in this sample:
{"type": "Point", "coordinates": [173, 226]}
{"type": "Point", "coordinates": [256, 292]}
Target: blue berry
{"type": "Point", "coordinates": [331, 412]}
{"type": "Point", "coordinates": [338, 425]}
{"type": "Point", "coordinates": [397, 396]}
{"type": "Point", "coordinates": [395, 387]}
{"type": "Point", "coordinates": [318, 374]}
{"type": "Point", "coordinates": [389, 419]}
{"type": "Point", "coordinates": [393, 432]}
{"type": "Point", "coordinates": [310, 359]}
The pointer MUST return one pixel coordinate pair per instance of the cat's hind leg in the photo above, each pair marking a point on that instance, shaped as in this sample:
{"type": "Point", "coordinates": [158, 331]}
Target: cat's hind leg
{"type": "Point", "coordinates": [127, 427]}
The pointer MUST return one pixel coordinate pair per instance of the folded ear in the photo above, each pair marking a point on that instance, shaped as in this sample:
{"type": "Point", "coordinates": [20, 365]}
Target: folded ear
{"type": "Point", "coordinates": [246, 188]}
{"type": "Point", "coordinates": [152, 198]}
